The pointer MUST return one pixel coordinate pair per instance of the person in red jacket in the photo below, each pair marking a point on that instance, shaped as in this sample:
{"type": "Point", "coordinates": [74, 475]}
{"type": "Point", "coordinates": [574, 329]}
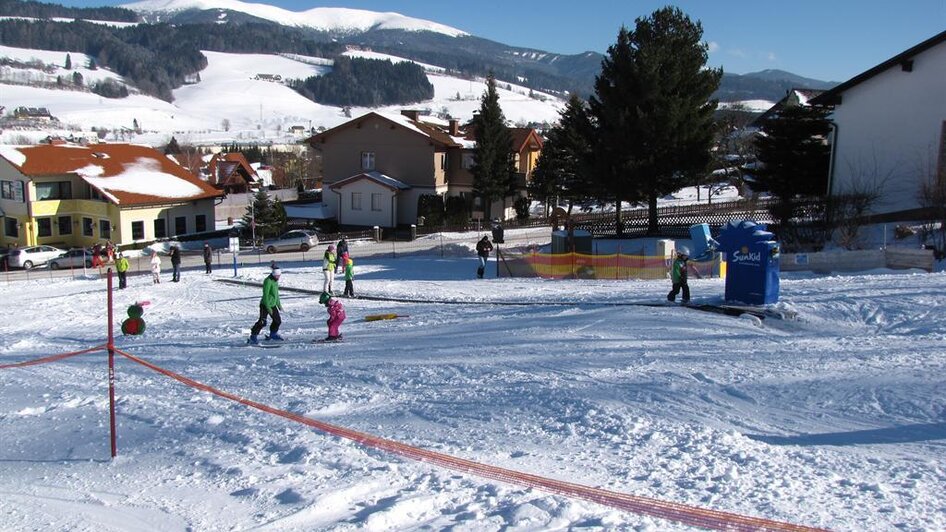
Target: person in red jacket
{"type": "Point", "coordinates": [336, 315]}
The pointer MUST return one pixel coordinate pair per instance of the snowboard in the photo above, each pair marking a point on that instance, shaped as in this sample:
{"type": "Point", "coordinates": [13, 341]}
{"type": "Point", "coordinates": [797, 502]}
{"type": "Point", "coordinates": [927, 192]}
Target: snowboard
{"type": "Point", "coordinates": [327, 341]}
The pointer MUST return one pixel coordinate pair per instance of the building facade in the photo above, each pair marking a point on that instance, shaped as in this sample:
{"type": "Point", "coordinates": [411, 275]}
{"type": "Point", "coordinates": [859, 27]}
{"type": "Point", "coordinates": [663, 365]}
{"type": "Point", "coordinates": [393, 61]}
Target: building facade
{"type": "Point", "coordinates": [69, 195]}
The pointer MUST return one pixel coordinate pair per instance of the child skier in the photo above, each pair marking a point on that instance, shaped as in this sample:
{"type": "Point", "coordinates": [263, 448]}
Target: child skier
{"type": "Point", "coordinates": [678, 274]}
{"type": "Point", "coordinates": [349, 277]}
{"type": "Point", "coordinates": [121, 266]}
{"type": "Point", "coordinates": [328, 268]}
{"type": "Point", "coordinates": [336, 315]}
{"type": "Point", "coordinates": [268, 306]}
{"type": "Point", "coordinates": [155, 267]}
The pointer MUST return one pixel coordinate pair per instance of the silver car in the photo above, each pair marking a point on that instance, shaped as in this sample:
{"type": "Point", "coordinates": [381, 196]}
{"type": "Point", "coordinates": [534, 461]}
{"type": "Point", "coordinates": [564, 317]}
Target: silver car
{"type": "Point", "coordinates": [30, 256]}
{"type": "Point", "coordinates": [295, 240]}
{"type": "Point", "coordinates": [74, 258]}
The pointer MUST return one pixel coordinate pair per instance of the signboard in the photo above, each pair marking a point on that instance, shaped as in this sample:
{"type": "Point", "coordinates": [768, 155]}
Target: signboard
{"type": "Point", "coordinates": [234, 244]}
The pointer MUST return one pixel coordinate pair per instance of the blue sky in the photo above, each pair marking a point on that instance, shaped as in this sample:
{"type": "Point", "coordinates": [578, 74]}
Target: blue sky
{"type": "Point", "coordinates": [831, 40]}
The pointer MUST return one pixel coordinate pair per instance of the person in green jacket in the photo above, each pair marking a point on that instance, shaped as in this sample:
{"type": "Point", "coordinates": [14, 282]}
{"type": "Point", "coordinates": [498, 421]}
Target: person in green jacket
{"type": "Point", "coordinates": [269, 306]}
{"type": "Point", "coordinates": [678, 275]}
{"type": "Point", "coordinates": [349, 278]}
{"type": "Point", "coordinates": [121, 266]}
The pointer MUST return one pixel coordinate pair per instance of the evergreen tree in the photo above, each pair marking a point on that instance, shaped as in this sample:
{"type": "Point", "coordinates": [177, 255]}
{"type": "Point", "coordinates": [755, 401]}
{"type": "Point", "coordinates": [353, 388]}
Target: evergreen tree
{"type": "Point", "coordinates": [77, 79]}
{"type": "Point", "coordinates": [563, 166]}
{"type": "Point", "coordinates": [493, 171]}
{"type": "Point", "coordinates": [793, 157]}
{"type": "Point", "coordinates": [172, 147]}
{"type": "Point", "coordinates": [652, 110]}
{"type": "Point", "coordinates": [263, 218]}
{"type": "Point", "coordinates": [68, 62]}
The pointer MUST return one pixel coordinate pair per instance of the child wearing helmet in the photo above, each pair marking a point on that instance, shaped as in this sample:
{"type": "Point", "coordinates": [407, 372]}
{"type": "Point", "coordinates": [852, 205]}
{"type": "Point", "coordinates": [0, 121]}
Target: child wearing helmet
{"type": "Point", "coordinates": [678, 275]}
{"type": "Point", "coordinates": [336, 315]}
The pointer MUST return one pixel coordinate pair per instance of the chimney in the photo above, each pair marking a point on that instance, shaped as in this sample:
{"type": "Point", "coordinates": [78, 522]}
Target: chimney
{"type": "Point", "coordinates": [454, 127]}
{"type": "Point", "coordinates": [413, 114]}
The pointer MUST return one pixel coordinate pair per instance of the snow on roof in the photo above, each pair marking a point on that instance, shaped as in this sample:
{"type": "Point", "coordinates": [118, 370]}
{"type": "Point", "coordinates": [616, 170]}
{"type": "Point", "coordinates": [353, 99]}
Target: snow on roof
{"type": "Point", "coordinates": [144, 176]}
{"type": "Point", "coordinates": [126, 174]}
{"type": "Point", "coordinates": [375, 176]}
{"type": "Point", "coordinates": [403, 121]}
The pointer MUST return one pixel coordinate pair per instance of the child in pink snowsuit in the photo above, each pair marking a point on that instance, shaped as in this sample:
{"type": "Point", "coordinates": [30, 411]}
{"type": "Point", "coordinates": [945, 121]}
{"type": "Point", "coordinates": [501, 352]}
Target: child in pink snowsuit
{"type": "Point", "coordinates": [336, 315]}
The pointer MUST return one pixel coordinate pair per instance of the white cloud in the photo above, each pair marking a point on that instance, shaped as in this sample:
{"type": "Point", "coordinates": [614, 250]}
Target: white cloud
{"type": "Point", "coordinates": [712, 46]}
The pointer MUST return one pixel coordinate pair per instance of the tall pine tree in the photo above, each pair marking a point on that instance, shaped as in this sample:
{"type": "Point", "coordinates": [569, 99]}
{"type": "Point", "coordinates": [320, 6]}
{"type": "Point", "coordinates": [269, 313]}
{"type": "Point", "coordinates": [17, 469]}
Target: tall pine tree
{"type": "Point", "coordinates": [563, 167]}
{"type": "Point", "coordinates": [493, 171]}
{"type": "Point", "coordinates": [652, 110]}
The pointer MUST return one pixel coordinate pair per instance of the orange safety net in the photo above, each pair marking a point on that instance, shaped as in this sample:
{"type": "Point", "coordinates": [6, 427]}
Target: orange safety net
{"type": "Point", "coordinates": [617, 266]}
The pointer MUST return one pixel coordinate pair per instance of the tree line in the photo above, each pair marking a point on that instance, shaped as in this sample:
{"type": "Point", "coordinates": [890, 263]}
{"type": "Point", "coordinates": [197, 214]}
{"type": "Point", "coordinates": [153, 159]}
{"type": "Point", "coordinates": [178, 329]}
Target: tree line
{"type": "Point", "coordinates": [355, 81]}
{"type": "Point", "coordinates": [157, 58]}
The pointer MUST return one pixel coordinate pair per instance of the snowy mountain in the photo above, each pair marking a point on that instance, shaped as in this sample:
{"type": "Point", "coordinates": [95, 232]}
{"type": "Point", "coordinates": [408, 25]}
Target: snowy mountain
{"type": "Point", "coordinates": [327, 19]}
{"type": "Point", "coordinates": [228, 103]}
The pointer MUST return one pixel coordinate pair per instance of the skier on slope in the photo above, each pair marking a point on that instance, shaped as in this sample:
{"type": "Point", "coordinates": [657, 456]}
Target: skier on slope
{"type": "Point", "coordinates": [269, 306]}
{"type": "Point", "coordinates": [678, 275]}
{"type": "Point", "coordinates": [336, 315]}
{"type": "Point", "coordinates": [328, 268]}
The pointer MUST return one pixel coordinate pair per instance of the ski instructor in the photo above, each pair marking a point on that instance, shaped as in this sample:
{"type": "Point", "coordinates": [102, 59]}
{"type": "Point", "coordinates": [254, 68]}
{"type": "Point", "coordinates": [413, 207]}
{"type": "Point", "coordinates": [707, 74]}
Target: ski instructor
{"type": "Point", "coordinates": [268, 306]}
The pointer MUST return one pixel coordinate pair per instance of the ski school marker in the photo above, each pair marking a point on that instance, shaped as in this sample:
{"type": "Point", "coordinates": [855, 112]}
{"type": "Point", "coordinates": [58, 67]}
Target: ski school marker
{"type": "Point", "coordinates": [376, 317]}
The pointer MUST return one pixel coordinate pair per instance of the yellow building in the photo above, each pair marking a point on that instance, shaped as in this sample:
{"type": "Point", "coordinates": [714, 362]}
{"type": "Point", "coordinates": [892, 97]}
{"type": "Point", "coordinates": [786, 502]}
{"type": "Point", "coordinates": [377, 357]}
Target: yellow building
{"type": "Point", "coordinates": [69, 195]}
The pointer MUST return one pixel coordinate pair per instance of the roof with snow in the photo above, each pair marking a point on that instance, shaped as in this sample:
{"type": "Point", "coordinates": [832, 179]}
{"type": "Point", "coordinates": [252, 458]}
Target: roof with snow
{"type": "Point", "coordinates": [377, 177]}
{"type": "Point", "coordinates": [429, 131]}
{"type": "Point", "coordinates": [126, 174]}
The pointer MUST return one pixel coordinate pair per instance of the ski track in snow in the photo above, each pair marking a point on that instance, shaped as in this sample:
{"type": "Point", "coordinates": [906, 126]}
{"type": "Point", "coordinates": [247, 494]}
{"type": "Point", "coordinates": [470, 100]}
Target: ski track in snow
{"type": "Point", "coordinates": [835, 420]}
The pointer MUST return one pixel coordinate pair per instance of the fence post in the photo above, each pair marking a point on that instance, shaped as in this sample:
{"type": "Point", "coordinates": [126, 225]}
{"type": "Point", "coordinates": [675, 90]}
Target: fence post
{"type": "Point", "coordinates": [111, 368]}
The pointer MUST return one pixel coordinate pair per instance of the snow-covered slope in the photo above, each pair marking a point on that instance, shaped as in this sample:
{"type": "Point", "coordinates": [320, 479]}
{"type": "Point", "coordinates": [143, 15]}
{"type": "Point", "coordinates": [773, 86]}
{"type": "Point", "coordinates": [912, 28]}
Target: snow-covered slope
{"type": "Point", "coordinates": [331, 19]}
{"type": "Point", "coordinates": [837, 420]}
{"type": "Point", "coordinates": [228, 91]}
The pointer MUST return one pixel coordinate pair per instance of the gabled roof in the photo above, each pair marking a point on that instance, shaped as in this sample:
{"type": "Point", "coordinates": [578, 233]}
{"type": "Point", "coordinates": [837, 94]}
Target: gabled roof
{"type": "Point", "coordinates": [126, 174]}
{"type": "Point", "coordinates": [432, 133]}
{"type": "Point", "coordinates": [227, 168]}
{"type": "Point", "coordinates": [830, 97]}
{"type": "Point", "coordinates": [523, 137]}
{"type": "Point", "coordinates": [796, 95]}
{"type": "Point", "coordinates": [377, 177]}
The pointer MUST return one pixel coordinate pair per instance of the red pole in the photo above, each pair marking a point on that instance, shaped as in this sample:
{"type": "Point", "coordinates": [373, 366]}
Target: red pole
{"type": "Point", "coordinates": [111, 369]}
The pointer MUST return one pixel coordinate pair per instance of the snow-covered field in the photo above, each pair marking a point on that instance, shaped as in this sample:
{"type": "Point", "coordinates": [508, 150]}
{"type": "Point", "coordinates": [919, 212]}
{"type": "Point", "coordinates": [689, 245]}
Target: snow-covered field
{"type": "Point", "coordinates": [253, 109]}
{"type": "Point", "coordinates": [837, 420]}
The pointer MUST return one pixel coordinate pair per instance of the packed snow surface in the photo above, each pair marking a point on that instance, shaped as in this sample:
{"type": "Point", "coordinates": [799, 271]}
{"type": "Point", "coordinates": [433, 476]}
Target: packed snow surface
{"type": "Point", "coordinates": [836, 420]}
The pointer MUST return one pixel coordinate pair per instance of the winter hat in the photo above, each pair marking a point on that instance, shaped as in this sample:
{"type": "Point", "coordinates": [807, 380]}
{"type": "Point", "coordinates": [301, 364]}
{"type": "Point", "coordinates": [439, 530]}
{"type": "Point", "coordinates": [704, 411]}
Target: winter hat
{"type": "Point", "coordinates": [331, 247]}
{"type": "Point", "coordinates": [324, 298]}
{"type": "Point", "coordinates": [683, 250]}
{"type": "Point", "coordinates": [277, 272]}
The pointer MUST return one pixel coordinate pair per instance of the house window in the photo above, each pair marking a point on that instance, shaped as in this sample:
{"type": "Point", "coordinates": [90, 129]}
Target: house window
{"type": "Point", "coordinates": [138, 230]}
{"type": "Point", "coordinates": [44, 227]}
{"type": "Point", "coordinates": [180, 225]}
{"type": "Point", "coordinates": [11, 190]}
{"type": "Point", "coordinates": [87, 227]}
{"type": "Point", "coordinates": [65, 225]}
{"type": "Point", "coordinates": [356, 201]}
{"type": "Point", "coordinates": [10, 227]}
{"type": "Point", "coordinates": [443, 161]}
{"type": "Point", "coordinates": [468, 161]}
{"type": "Point", "coordinates": [57, 190]}
{"type": "Point", "coordinates": [376, 202]}
{"type": "Point", "coordinates": [105, 229]}
{"type": "Point", "coordinates": [367, 160]}
{"type": "Point", "coordinates": [160, 229]}
{"type": "Point", "coordinates": [200, 223]}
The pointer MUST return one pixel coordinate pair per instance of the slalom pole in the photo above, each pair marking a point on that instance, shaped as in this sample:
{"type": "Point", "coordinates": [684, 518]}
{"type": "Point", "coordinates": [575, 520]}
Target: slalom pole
{"type": "Point", "coordinates": [111, 368]}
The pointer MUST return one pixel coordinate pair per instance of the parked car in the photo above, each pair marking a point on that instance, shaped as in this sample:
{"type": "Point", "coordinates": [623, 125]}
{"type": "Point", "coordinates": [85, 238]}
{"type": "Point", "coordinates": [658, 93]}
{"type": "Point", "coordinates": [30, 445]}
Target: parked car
{"type": "Point", "coordinates": [31, 256]}
{"type": "Point", "coordinates": [74, 258]}
{"type": "Point", "coordinates": [295, 240]}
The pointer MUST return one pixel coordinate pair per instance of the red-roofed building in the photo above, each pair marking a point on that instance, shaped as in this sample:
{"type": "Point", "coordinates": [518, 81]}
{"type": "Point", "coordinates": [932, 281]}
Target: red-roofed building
{"type": "Point", "coordinates": [231, 173]}
{"type": "Point", "coordinates": [71, 195]}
